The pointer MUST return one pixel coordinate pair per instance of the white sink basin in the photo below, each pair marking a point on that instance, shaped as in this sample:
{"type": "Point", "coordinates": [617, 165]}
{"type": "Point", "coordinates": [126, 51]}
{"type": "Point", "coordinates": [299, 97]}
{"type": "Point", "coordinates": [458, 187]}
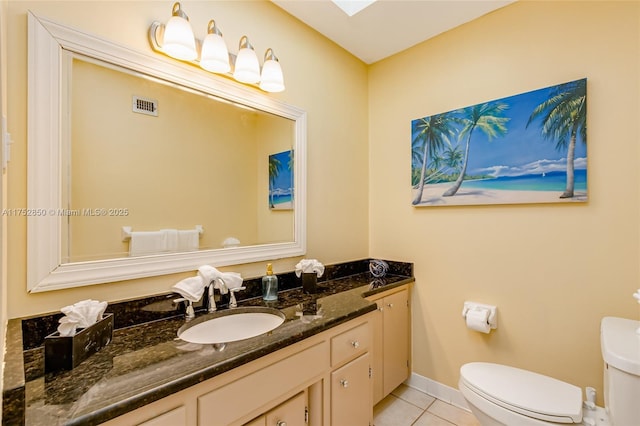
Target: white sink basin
{"type": "Point", "coordinates": [231, 325]}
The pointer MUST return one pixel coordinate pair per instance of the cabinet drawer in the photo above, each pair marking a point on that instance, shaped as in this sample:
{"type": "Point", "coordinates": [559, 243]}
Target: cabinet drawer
{"type": "Point", "coordinates": [350, 343]}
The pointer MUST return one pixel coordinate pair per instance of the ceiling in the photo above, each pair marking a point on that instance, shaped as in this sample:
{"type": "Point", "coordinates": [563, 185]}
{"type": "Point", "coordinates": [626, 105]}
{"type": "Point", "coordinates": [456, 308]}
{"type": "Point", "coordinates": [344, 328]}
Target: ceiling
{"type": "Point", "coordinates": [387, 27]}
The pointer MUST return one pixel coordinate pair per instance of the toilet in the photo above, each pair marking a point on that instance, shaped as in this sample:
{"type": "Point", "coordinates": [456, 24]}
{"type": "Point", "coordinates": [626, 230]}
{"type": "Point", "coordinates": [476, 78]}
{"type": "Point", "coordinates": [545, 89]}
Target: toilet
{"type": "Point", "coordinates": [503, 395]}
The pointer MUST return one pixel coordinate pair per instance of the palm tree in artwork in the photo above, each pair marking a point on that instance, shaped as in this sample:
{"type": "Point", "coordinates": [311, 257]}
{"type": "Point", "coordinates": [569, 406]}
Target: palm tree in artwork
{"type": "Point", "coordinates": [453, 157]}
{"type": "Point", "coordinates": [486, 118]}
{"type": "Point", "coordinates": [564, 117]}
{"type": "Point", "coordinates": [433, 134]}
{"type": "Point", "coordinates": [274, 171]}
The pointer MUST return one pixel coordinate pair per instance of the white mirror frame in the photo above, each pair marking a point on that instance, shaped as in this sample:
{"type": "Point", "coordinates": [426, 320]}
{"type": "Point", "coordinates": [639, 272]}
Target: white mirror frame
{"type": "Point", "coordinates": [45, 270]}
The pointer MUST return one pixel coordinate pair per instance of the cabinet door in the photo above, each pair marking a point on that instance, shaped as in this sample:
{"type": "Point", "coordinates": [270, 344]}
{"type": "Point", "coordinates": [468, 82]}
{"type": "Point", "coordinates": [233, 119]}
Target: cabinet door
{"type": "Point", "coordinates": [351, 394]}
{"type": "Point", "coordinates": [290, 413]}
{"type": "Point", "coordinates": [396, 340]}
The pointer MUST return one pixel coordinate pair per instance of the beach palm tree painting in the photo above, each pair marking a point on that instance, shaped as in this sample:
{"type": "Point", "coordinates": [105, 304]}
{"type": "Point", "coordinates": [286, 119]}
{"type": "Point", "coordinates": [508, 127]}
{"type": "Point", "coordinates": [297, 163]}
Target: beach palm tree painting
{"type": "Point", "coordinates": [281, 180]}
{"type": "Point", "coordinates": [527, 148]}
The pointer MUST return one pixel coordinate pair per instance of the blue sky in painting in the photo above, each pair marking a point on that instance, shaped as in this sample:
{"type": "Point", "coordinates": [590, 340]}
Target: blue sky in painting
{"type": "Point", "coordinates": [284, 180]}
{"type": "Point", "coordinates": [522, 150]}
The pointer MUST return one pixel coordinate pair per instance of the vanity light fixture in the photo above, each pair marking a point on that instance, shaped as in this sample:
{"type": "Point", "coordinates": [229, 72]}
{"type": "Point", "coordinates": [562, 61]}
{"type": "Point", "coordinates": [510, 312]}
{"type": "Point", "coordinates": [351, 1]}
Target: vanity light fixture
{"type": "Point", "coordinates": [176, 39]}
{"type": "Point", "coordinates": [271, 79]}
{"type": "Point", "coordinates": [214, 55]}
{"type": "Point", "coordinates": [247, 68]}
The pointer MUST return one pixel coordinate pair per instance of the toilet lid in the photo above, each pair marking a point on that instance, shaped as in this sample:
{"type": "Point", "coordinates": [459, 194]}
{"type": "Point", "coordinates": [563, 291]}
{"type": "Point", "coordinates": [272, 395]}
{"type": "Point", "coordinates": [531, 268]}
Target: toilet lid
{"type": "Point", "coordinates": [525, 392]}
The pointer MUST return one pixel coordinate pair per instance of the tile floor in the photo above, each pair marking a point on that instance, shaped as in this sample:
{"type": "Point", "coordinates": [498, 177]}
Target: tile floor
{"type": "Point", "coordinates": [409, 407]}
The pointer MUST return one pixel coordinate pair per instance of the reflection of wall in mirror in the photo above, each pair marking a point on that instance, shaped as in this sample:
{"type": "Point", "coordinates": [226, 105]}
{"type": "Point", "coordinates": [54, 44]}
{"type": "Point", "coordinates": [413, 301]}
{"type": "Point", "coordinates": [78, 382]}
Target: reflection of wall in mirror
{"type": "Point", "coordinates": [273, 226]}
{"type": "Point", "coordinates": [177, 170]}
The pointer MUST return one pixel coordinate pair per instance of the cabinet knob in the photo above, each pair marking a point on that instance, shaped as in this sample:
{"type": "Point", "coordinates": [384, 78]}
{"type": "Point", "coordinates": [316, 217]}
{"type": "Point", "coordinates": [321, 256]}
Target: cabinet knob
{"type": "Point", "coordinates": [281, 423]}
{"type": "Point", "coordinates": [355, 344]}
{"type": "Point", "coordinates": [390, 305]}
{"type": "Point", "coordinates": [344, 383]}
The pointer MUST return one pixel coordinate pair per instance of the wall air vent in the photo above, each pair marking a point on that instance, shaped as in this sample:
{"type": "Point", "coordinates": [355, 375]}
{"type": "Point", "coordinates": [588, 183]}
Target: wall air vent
{"type": "Point", "coordinates": [145, 106]}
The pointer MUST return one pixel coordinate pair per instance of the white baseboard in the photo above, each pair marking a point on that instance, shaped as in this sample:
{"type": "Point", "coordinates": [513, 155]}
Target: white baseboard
{"type": "Point", "coordinates": [437, 390]}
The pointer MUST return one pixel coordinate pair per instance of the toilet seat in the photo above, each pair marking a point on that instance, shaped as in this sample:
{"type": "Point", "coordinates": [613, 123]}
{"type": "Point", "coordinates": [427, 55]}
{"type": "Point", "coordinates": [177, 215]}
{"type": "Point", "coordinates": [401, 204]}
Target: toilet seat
{"type": "Point", "coordinates": [524, 392]}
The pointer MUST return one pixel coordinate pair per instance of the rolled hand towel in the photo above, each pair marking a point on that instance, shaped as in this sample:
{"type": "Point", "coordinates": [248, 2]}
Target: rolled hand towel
{"type": "Point", "coordinates": [191, 288]}
{"type": "Point", "coordinates": [309, 266]}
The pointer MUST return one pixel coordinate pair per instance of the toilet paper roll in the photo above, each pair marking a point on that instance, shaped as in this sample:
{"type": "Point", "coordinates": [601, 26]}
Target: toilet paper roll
{"type": "Point", "coordinates": [477, 320]}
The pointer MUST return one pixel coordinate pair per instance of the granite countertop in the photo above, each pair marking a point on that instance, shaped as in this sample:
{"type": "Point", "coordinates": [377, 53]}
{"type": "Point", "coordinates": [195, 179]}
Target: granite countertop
{"type": "Point", "coordinates": [146, 362]}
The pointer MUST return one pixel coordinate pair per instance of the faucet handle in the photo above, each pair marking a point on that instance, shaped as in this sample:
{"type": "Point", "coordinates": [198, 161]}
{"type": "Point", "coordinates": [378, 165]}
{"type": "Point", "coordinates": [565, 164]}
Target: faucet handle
{"type": "Point", "coordinates": [232, 302]}
{"type": "Point", "coordinates": [190, 313]}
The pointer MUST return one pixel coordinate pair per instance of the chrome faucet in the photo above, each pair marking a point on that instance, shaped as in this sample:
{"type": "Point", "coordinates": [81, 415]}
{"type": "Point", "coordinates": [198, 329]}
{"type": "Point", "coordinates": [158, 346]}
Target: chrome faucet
{"type": "Point", "coordinates": [220, 285]}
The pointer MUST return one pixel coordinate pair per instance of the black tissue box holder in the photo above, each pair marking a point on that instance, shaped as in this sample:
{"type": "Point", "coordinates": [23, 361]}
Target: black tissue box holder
{"type": "Point", "coordinates": [310, 282]}
{"type": "Point", "coordinates": [67, 352]}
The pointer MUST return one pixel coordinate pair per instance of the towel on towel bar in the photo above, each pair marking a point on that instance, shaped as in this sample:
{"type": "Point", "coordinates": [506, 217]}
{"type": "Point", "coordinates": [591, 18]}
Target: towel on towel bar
{"type": "Point", "coordinates": [163, 241]}
{"type": "Point", "coordinates": [147, 242]}
{"type": "Point", "coordinates": [188, 240]}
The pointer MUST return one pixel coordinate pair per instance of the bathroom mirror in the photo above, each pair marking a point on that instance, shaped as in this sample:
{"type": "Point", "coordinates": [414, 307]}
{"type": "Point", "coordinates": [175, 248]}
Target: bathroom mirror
{"type": "Point", "coordinates": [95, 178]}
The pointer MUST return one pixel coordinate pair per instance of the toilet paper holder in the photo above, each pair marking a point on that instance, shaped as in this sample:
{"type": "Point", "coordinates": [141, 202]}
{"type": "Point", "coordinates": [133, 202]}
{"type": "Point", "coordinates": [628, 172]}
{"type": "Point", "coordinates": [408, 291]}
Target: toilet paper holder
{"type": "Point", "coordinates": [492, 320]}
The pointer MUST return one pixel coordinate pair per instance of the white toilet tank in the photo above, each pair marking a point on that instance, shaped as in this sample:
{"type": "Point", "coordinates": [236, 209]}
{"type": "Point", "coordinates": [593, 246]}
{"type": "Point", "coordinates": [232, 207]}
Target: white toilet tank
{"type": "Point", "coordinates": [621, 354]}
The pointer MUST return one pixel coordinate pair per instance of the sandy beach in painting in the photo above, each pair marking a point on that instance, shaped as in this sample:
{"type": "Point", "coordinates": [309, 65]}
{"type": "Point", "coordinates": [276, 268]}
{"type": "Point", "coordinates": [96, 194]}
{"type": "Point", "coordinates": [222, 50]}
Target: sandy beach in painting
{"type": "Point", "coordinates": [432, 196]}
{"type": "Point", "coordinates": [287, 205]}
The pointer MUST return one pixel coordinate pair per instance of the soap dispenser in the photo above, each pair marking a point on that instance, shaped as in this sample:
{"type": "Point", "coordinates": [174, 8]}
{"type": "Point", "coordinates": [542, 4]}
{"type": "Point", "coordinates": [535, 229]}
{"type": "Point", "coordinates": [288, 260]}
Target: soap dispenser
{"type": "Point", "coordinates": [269, 285]}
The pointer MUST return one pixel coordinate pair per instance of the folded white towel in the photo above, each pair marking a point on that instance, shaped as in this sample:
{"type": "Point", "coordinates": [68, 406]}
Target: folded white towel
{"type": "Point", "coordinates": [232, 280]}
{"type": "Point", "coordinates": [147, 242]}
{"type": "Point", "coordinates": [210, 274]}
{"type": "Point", "coordinates": [309, 266]}
{"type": "Point", "coordinates": [80, 315]}
{"type": "Point", "coordinates": [191, 288]}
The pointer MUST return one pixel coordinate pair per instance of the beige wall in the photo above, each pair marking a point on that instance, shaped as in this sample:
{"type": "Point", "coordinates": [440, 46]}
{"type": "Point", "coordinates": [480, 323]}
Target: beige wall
{"type": "Point", "coordinates": [3, 191]}
{"type": "Point", "coordinates": [272, 224]}
{"type": "Point", "coordinates": [314, 67]}
{"type": "Point", "coordinates": [553, 270]}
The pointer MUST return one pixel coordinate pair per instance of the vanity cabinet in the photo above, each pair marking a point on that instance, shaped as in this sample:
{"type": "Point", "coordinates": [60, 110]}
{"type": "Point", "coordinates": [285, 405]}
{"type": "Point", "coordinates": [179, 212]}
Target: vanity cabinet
{"type": "Point", "coordinates": [321, 381]}
{"type": "Point", "coordinates": [391, 341]}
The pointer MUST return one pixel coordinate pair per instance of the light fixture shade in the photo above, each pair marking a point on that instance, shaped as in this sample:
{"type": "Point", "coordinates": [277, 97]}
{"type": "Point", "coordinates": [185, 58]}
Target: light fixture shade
{"type": "Point", "coordinates": [271, 79]}
{"type": "Point", "coordinates": [247, 68]}
{"type": "Point", "coordinates": [179, 41]}
{"type": "Point", "coordinates": [214, 55]}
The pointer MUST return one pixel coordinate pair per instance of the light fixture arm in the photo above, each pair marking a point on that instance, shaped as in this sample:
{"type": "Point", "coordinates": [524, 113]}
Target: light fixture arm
{"type": "Point", "coordinates": [212, 28]}
{"type": "Point", "coordinates": [177, 11]}
{"type": "Point", "coordinates": [270, 56]}
{"type": "Point", "coordinates": [244, 43]}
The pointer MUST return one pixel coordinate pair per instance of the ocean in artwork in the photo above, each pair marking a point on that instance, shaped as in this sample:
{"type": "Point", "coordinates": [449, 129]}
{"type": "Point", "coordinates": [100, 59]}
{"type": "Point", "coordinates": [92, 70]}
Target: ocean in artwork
{"type": "Point", "coordinates": [282, 198]}
{"type": "Point", "coordinates": [550, 181]}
